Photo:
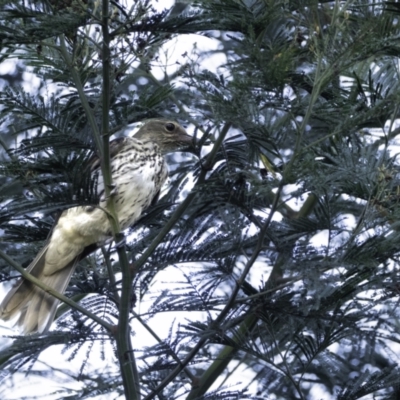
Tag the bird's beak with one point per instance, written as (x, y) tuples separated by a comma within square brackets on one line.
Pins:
[(187, 142)]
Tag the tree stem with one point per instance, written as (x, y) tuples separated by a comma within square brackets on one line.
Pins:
[(126, 357)]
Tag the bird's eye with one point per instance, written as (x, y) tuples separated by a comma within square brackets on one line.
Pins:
[(170, 127)]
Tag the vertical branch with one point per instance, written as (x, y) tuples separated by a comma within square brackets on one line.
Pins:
[(126, 356), (81, 93), (125, 352)]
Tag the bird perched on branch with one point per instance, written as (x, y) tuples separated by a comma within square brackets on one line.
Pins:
[(138, 171)]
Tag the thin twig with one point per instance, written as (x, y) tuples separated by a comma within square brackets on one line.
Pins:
[(111, 276), (159, 340)]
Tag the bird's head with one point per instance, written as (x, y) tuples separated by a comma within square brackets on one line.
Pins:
[(169, 135)]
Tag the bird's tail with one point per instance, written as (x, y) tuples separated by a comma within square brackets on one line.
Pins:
[(35, 307)]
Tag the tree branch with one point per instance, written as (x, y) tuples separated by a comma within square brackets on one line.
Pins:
[(126, 356)]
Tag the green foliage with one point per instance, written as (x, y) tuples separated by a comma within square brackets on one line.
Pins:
[(284, 255)]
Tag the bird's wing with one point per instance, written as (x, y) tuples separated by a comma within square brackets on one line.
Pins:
[(116, 146)]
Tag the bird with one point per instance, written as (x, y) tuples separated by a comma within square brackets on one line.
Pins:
[(138, 170)]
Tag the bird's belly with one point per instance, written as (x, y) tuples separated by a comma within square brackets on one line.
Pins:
[(137, 177), (134, 195)]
